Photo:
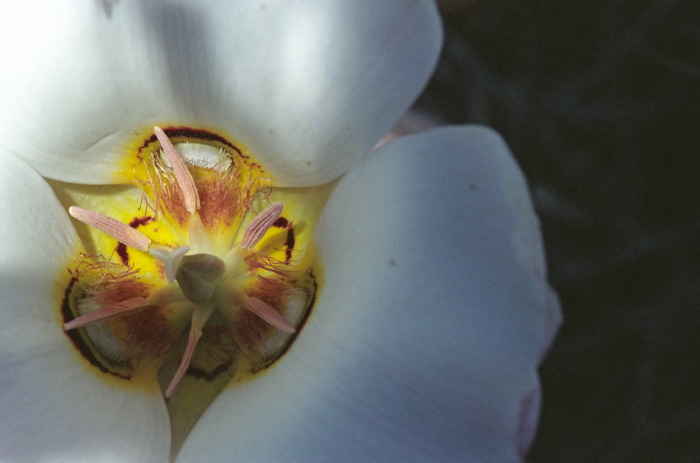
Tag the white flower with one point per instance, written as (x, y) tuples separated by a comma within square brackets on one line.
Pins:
[(434, 309)]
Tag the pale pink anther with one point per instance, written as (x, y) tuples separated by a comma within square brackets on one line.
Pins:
[(185, 362), (199, 319), (112, 227), (262, 222), (267, 313), (120, 308), (183, 178)]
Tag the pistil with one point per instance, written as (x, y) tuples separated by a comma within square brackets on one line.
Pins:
[(197, 276)]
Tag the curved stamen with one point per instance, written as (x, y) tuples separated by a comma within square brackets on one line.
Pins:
[(183, 178), (120, 308), (192, 341), (267, 313), (112, 227), (199, 318), (262, 222)]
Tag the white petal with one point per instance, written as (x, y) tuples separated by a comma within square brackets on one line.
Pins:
[(52, 407), (308, 86), (426, 336)]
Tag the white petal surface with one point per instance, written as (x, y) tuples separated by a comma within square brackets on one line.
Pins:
[(52, 409), (308, 86), (425, 339)]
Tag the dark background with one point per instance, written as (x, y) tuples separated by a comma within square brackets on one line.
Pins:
[(600, 103)]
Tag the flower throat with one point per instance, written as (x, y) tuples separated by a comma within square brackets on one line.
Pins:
[(196, 275)]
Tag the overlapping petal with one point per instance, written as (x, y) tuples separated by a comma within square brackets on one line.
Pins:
[(308, 86), (434, 309), (429, 326), (52, 408)]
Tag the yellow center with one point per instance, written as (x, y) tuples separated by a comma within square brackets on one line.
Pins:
[(219, 285)]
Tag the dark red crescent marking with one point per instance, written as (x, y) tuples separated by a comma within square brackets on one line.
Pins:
[(121, 250), (196, 134)]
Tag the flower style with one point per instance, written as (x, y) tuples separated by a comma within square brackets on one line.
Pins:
[(407, 325)]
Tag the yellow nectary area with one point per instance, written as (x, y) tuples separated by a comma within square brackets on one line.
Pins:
[(145, 347)]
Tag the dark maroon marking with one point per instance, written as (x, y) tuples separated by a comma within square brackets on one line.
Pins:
[(121, 250), (200, 373), (77, 339), (122, 253), (289, 243), (138, 221), (197, 134), (280, 223)]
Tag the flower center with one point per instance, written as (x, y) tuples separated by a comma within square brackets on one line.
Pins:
[(208, 249)]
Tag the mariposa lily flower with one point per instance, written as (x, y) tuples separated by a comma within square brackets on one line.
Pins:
[(220, 295)]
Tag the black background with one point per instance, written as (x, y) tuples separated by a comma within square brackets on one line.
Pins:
[(600, 103)]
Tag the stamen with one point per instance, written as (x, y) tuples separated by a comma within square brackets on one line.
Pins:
[(199, 238), (199, 318), (183, 178), (267, 313), (185, 362), (108, 311), (257, 227), (112, 227)]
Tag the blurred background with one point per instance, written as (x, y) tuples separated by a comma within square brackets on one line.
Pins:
[(600, 103)]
